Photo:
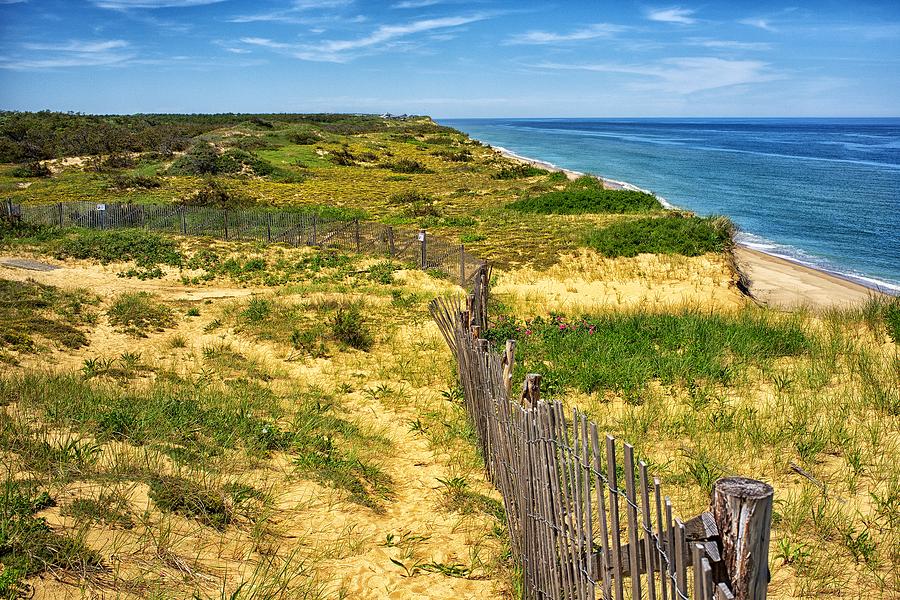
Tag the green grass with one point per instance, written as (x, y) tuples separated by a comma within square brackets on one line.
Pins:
[(586, 196), (32, 313), (196, 422), (673, 234), (29, 547), (625, 352), (138, 313)]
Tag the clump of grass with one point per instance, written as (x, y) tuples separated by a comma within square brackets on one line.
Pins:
[(109, 508), (29, 547), (383, 272), (587, 195), (189, 499), (675, 234), (30, 311), (136, 313), (349, 327)]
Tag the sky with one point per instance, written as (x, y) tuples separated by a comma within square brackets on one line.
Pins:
[(453, 58)]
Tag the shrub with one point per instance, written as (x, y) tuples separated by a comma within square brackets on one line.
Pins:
[(304, 138), (136, 313), (407, 165), (201, 159), (343, 158), (676, 234), (518, 171), (383, 272), (145, 248), (214, 193), (582, 198), (128, 182), (32, 169), (349, 327), (461, 156)]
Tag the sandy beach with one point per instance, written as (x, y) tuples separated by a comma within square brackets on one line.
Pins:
[(774, 281)]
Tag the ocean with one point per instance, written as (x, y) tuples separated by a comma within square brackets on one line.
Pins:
[(822, 192)]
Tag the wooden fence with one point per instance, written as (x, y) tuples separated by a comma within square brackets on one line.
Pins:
[(574, 532), (412, 246)]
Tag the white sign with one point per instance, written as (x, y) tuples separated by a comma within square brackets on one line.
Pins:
[(421, 236), (101, 207)]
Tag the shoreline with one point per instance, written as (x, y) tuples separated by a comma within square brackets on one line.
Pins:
[(773, 280)]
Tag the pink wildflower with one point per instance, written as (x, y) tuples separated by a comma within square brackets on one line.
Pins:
[(527, 332)]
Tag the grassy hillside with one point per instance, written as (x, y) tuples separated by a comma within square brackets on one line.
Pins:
[(193, 416)]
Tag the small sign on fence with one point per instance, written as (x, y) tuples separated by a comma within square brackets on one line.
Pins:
[(101, 207)]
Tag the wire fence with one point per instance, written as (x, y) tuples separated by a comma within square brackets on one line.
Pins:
[(575, 533), (413, 246)]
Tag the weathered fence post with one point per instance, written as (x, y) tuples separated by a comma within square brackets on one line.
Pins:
[(315, 225), (356, 233), (509, 365), (225, 221), (531, 390), (269, 227), (462, 265), (742, 509), (59, 209), (423, 248), (9, 208), (390, 240), (183, 220)]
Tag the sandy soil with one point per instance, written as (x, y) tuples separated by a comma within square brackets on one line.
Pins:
[(344, 542), (784, 284), (587, 282)]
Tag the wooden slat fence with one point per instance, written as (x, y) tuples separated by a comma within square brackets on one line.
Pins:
[(416, 247), (585, 520)]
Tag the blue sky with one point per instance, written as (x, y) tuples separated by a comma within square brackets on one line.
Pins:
[(452, 58)]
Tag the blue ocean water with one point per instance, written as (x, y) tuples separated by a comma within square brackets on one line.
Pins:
[(823, 192)]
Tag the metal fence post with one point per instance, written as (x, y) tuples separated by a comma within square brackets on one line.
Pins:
[(225, 221), (315, 224), (423, 250), (356, 233), (269, 227), (59, 208), (183, 220), (462, 265)]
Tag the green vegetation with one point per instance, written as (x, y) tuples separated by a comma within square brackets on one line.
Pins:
[(31, 312), (587, 195), (518, 171), (145, 248), (29, 547), (137, 313), (349, 327), (625, 352), (674, 234)]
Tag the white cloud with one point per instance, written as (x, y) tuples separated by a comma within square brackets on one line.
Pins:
[(759, 23), (74, 53), (597, 30), (126, 4), (728, 44), (291, 14), (674, 14), (383, 36), (79, 46), (416, 3), (683, 76)]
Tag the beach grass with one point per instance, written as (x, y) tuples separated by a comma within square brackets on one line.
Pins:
[(687, 235)]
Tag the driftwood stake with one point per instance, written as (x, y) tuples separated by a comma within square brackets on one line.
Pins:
[(509, 365), (742, 509), (531, 390)]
